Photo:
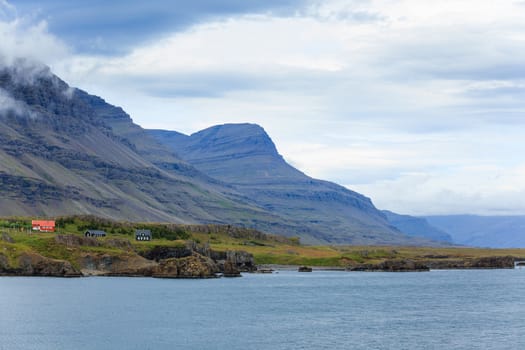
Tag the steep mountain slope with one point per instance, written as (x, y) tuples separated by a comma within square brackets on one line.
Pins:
[(60, 154), (244, 155), (418, 227), (483, 231)]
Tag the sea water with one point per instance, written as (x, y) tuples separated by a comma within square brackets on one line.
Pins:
[(474, 309)]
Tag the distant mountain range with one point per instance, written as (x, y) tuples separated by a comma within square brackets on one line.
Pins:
[(483, 231), (466, 230)]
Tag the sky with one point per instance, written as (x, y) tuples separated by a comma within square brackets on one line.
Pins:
[(418, 104)]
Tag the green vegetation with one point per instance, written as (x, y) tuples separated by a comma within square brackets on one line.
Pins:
[(81, 223), (15, 223), (266, 249)]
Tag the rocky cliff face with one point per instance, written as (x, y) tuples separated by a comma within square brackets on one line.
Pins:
[(193, 266)]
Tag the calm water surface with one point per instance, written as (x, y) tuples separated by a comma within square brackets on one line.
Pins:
[(482, 309)]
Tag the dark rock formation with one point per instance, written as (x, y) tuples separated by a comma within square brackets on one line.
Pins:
[(394, 265), (496, 262), (242, 260), (159, 253), (237, 260), (166, 262), (230, 269), (439, 263)]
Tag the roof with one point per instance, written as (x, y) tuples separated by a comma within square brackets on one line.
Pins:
[(143, 232), (43, 222), (96, 232)]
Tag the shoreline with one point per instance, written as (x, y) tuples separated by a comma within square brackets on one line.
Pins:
[(267, 268), (72, 255)]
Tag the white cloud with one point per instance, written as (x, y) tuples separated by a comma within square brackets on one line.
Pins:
[(8, 104), (23, 39), (485, 190)]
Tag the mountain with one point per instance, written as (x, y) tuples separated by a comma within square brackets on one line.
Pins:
[(417, 227), (483, 231), (244, 156), (64, 151)]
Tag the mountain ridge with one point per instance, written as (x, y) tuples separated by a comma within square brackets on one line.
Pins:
[(245, 156), (64, 151)]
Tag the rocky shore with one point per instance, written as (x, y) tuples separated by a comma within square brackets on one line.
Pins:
[(436, 263), (120, 259), (68, 255)]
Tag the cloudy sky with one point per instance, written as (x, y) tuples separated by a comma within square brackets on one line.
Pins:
[(418, 104)]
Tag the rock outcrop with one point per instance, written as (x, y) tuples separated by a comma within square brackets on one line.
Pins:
[(193, 266), (394, 265), (436, 263), (227, 262), (32, 264), (159, 253), (230, 269), (304, 269), (242, 260), (495, 262), (103, 264)]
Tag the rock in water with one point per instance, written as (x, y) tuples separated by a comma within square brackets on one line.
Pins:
[(393, 265), (230, 269)]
